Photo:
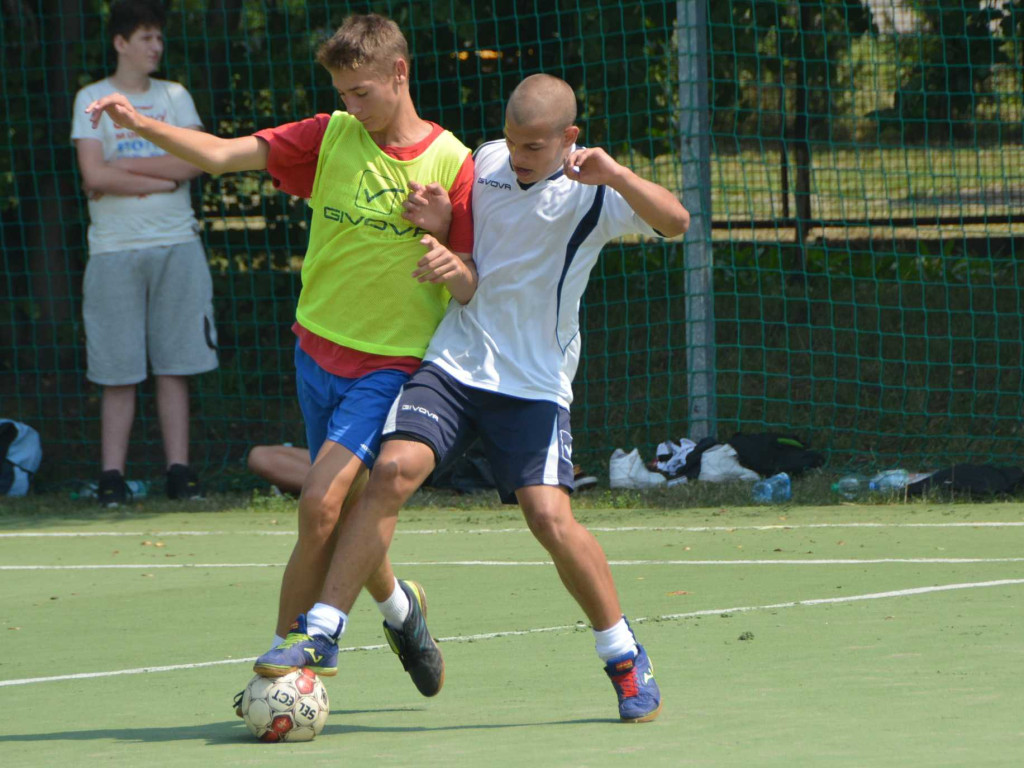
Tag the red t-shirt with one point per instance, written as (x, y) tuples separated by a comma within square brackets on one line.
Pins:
[(291, 163)]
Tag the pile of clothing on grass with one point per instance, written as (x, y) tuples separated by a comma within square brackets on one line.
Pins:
[(747, 457)]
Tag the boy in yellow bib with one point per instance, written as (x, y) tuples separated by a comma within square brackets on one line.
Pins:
[(375, 283)]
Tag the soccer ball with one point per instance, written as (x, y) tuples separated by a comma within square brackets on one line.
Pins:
[(292, 707)]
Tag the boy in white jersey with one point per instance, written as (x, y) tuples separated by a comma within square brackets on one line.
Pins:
[(147, 286), (500, 367), (371, 297)]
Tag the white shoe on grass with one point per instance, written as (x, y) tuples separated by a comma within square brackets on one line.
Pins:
[(627, 470)]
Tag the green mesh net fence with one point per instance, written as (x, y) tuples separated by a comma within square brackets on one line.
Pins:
[(857, 171)]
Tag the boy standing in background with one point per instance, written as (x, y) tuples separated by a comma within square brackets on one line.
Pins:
[(147, 290)]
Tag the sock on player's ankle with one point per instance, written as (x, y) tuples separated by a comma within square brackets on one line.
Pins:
[(324, 619), (276, 642), (615, 641), (396, 608)]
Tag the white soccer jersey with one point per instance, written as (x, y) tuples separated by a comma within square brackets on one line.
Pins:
[(128, 223), (534, 248)]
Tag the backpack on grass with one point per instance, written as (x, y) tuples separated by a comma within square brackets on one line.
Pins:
[(20, 456)]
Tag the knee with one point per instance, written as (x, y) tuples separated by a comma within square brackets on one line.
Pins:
[(394, 476), (549, 524), (256, 461), (318, 517)]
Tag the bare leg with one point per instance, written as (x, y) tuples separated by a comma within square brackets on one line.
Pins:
[(172, 409), (365, 533), (282, 465), (117, 412), (332, 488), (579, 559)]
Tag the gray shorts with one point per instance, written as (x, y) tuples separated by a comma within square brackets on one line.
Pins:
[(154, 300)]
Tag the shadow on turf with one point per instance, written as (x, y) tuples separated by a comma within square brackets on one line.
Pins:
[(234, 731), (38, 510), (226, 732)]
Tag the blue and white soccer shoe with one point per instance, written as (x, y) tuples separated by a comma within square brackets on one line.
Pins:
[(299, 649), (638, 692)]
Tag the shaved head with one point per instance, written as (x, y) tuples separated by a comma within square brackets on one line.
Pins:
[(542, 100)]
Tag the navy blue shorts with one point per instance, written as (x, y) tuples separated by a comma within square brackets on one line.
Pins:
[(527, 442)]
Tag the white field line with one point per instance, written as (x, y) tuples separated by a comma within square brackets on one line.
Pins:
[(517, 632), (596, 528), (534, 563)]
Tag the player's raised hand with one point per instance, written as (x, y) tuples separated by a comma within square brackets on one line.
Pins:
[(429, 208), (438, 264), (119, 109), (592, 166)]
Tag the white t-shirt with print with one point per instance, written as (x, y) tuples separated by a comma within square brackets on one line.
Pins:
[(125, 223), (534, 248)]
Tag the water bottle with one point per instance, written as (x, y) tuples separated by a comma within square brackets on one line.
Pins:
[(852, 486), (857, 486), (890, 480), (138, 488), (773, 490)]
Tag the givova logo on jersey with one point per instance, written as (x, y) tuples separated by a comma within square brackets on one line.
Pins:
[(377, 193), (493, 183), (421, 411)]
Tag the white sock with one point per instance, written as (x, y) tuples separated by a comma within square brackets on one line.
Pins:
[(324, 619), (615, 641), (396, 608), (276, 642)]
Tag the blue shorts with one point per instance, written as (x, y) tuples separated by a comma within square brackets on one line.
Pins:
[(527, 442), (350, 412)]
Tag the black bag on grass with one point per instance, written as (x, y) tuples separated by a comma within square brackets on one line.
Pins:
[(769, 453), (976, 479)]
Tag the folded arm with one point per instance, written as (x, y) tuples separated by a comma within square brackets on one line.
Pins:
[(101, 178), (162, 167)]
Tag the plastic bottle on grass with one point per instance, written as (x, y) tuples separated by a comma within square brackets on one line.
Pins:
[(890, 480), (139, 490), (857, 486), (773, 490), (852, 487)]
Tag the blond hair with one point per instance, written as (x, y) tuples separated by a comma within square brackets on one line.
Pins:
[(364, 40)]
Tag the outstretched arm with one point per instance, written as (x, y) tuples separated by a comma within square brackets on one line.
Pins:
[(204, 150), (652, 202)]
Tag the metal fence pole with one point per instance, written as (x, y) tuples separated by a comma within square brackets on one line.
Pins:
[(695, 155)]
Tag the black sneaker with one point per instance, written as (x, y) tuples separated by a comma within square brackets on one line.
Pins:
[(112, 490), (417, 650), (183, 483)]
